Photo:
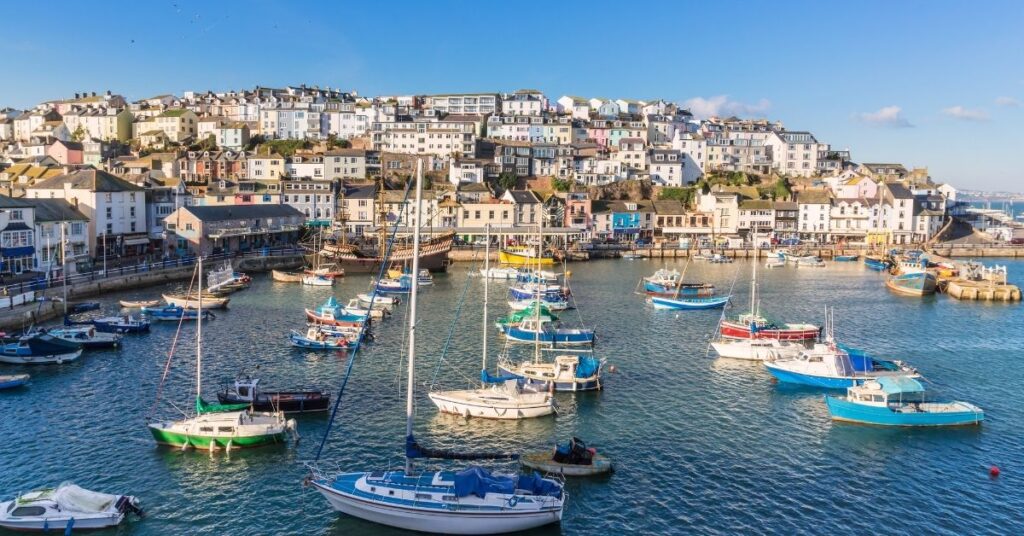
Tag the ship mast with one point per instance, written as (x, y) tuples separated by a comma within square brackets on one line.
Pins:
[(412, 309), (382, 217)]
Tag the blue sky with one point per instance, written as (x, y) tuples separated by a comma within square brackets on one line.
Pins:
[(937, 83)]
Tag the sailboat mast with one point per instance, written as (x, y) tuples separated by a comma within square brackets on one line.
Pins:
[(540, 287), (199, 333), (412, 306), (64, 266), (753, 282), (487, 279)]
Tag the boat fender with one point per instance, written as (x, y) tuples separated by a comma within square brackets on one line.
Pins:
[(513, 501), (993, 471)]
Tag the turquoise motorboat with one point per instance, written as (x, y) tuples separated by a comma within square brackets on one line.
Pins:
[(899, 401)]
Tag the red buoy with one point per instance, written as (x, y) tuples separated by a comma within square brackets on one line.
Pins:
[(993, 471)]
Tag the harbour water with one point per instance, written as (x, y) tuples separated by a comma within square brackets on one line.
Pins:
[(700, 445)]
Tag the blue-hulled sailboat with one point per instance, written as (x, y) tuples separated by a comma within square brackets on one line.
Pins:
[(547, 332), (899, 401), (472, 501), (688, 304)]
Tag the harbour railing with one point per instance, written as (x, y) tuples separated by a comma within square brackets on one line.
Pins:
[(163, 265)]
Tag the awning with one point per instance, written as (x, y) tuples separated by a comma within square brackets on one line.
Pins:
[(23, 251), (137, 241)]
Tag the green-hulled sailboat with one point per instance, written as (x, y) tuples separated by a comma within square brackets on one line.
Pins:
[(217, 426)]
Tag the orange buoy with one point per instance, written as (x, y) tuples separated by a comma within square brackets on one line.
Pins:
[(993, 471)]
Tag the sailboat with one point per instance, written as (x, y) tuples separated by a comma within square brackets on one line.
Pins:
[(471, 501), (217, 426), (669, 292), (498, 397), (752, 325), (572, 371)]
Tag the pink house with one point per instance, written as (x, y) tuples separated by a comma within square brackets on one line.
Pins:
[(578, 210), (65, 152)]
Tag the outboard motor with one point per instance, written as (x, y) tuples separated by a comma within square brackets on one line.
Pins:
[(126, 504)]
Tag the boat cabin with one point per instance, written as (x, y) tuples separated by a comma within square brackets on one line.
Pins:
[(886, 391), (246, 388)]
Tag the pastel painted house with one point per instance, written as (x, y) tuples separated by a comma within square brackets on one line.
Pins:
[(66, 152)]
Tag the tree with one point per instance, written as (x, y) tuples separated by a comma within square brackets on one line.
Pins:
[(507, 180), (334, 143), (78, 134), (781, 189), (683, 195), (561, 185)]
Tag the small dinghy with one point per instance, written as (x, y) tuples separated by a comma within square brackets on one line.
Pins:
[(571, 459), (314, 280), (13, 381), (317, 339), (287, 277), (113, 324), (173, 313), (82, 307), (380, 299), (775, 263), (191, 301), (128, 304), (87, 336), (66, 507)]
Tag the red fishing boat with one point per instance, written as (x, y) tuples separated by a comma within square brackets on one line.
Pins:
[(752, 325)]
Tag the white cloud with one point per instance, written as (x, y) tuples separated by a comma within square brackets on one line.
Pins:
[(965, 114), (1009, 102), (889, 116), (720, 106)]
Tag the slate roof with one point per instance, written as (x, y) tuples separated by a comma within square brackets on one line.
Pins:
[(93, 180), (523, 196), (56, 210), (242, 212)]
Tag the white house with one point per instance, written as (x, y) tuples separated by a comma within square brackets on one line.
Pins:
[(815, 206), (692, 150), (578, 107), (115, 207)]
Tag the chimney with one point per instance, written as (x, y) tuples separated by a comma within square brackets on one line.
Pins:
[(74, 202), (93, 93), (76, 95)]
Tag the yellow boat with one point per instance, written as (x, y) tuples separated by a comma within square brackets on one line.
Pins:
[(523, 256)]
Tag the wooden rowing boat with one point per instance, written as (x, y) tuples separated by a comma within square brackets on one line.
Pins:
[(286, 277), (128, 304), (541, 461)]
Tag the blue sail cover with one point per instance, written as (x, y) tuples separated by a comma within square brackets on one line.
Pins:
[(588, 366), (539, 486), (414, 450), (478, 481), (487, 378)]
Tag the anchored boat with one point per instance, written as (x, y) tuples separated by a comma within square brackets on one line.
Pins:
[(12, 381), (247, 391), (899, 401), (39, 349), (66, 507), (571, 459)]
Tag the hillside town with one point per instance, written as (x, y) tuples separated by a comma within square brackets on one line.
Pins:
[(221, 172)]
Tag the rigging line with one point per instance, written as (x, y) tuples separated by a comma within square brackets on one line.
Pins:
[(721, 318), (365, 323), (451, 329), (170, 354)]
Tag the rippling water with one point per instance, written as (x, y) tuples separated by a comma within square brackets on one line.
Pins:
[(701, 445)]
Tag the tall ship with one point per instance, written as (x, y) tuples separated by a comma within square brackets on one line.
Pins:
[(366, 256)]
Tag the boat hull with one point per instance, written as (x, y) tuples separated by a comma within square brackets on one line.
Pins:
[(433, 518), (688, 303), (541, 461), (517, 259), (82, 521), (309, 344), (165, 435), (193, 303), (284, 401), (286, 277), (824, 382), (740, 350), (468, 407), (875, 264), (563, 338), (915, 284), (736, 330), (15, 381), (40, 359), (961, 414)]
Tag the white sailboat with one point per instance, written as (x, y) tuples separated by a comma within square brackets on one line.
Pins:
[(497, 398), (467, 502), (216, 426)]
